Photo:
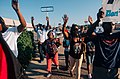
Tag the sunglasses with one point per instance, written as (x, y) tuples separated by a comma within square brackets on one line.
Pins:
[(76, 29)]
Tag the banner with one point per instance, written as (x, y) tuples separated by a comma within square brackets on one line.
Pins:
[(112, 10)]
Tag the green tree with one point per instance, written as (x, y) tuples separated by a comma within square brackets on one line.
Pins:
[(25, 48)]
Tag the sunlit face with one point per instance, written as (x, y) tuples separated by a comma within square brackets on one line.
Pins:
[(75, 31), (51, 36), (76, 28)]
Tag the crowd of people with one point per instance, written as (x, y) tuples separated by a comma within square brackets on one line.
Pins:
[(100, 48)]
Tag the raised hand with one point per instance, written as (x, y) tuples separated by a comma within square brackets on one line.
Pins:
[(100, 14), (32, 18), (15, 5), (90, 19), (65, 18), (47, 18)]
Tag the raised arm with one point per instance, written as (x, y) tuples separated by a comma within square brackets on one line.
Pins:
[(65, 33), (92, 28), (15, 6), (90, 20), (32, 21), (48, 23), (100, 15)]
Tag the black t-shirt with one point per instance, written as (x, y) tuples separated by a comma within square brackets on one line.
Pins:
[(107, 50), (76, 49)]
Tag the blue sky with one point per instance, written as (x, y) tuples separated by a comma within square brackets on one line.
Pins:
[(77, 10)]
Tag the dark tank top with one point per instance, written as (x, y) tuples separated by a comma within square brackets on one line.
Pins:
[(76, 49)]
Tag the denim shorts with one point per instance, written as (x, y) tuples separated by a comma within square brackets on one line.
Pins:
[(90, 58)]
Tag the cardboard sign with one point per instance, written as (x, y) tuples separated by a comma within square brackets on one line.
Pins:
[(112, 10)]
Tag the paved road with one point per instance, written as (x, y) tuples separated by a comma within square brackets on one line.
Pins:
[(38, 70)]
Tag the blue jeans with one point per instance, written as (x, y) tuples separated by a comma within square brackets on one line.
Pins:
[(66, 53), (41, 52)]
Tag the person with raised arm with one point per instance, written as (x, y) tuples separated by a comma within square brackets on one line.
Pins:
[(107, 49), (10, 68), (11, 34), (41, 38), (77, 47)]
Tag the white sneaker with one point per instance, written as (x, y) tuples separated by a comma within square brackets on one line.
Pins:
[(49, 75), (57, 68), (89, 76)]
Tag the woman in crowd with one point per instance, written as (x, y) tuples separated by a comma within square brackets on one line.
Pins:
[(51, 50), (76, 47), (66, 44)]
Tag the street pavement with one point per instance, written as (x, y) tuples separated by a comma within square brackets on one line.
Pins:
[(37, 70)]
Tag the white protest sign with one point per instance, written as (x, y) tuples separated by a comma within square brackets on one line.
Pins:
[(112, 10)]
